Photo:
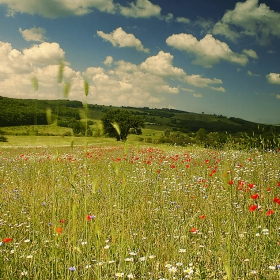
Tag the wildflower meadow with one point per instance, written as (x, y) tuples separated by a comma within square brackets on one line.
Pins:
[(126, 212)]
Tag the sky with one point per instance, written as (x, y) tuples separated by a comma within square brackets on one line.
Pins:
[(217, 57)]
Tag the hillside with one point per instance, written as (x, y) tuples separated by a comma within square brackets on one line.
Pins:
[(17, 112)]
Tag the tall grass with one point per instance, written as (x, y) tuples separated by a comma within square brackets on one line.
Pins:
[(138, 213)]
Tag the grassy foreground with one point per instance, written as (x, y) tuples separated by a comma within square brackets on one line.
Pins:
[(107, 212)]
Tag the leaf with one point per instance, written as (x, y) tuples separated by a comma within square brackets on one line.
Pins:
[(49, 115), (60, 72), (116, 127), (35, 83), (66, 90), (86, 85)]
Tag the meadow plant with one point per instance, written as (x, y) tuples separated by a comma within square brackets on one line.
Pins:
[(139, 213)]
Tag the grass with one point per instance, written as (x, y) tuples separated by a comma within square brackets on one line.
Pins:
[(109, 211)]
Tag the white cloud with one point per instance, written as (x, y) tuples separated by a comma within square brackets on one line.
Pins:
[(250, 73), (278, 96), (187, 89), (206, 24), (109, 60), (92, 71), (55, 9), (122, 39), (140, 9), (250, 53), (33, 34), (197, 95), (221, 89), (121, 84), (124, 67), (161, 65), (44, 54), (249, 18), (182, 20), (12, 61), (273, 78), (198, 81), (208, 51), (62, 8), (168, 17)]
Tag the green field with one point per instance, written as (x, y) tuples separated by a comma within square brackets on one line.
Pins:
[(94, 208)]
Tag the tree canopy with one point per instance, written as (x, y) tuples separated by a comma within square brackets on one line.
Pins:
[(119, 123)]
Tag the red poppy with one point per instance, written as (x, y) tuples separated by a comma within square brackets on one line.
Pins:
[(193, 230), (59, 230), (278, 184), (253, 207), (230, 182), (62, 221), (276, 200), (255, 196), (269, 212), (202, 216), (90, 217), (251, 186), (7, 239)]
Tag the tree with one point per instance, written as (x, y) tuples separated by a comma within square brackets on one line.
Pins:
[(119, 123), (80, 129), (201, 135)]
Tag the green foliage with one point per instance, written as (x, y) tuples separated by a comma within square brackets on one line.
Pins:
[(119, 123), (16, 112), (2, 137), (81, 129)]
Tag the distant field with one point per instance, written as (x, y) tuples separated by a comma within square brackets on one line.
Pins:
[(54, 141), (25, 135)]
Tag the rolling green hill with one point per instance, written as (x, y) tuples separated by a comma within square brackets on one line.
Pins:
[(20, 112)]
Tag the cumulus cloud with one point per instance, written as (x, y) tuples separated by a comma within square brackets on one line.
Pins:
[(44, 54), (17, 71), (161, 65), (250, 19), (12, 61), (33, 34), (55, 9), (208, 51), (141, 9), (121, 84), (122, 39), (62, 8), (198, 81), (197, 95), (221, 89), (273, 78), (109, 60)]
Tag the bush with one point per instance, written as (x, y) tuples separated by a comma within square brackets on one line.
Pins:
[(3, 138)]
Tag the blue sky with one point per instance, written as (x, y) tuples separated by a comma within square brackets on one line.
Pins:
[(215, 56)]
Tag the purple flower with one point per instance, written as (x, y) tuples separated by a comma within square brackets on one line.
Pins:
[(72, 268)]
